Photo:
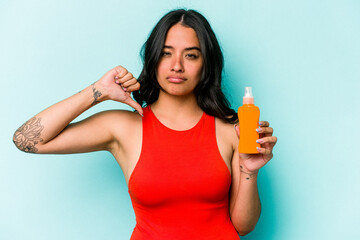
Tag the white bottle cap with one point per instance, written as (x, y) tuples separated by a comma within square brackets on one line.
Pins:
[(248, 97)]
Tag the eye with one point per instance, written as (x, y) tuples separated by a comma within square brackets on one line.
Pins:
[(192, 56), (164, 53)]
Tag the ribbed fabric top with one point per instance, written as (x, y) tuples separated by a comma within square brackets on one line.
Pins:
[(180, 186)]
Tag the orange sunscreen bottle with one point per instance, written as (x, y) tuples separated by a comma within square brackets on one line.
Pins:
[(248, 115)]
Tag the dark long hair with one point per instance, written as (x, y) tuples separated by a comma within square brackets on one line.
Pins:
[(208, 92)]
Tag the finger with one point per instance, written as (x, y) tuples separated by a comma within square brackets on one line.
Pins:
[(265, 130), (129, 101), (120, 85), (120, 71), (264, 151), (264, 123), (125, 78), (133, 88), (130, 82), (271, 139)]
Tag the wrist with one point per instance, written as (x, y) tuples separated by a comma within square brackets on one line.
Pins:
[(248, 174), (98, 93)]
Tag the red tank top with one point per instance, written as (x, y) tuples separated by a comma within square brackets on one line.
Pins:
[(180, 185)]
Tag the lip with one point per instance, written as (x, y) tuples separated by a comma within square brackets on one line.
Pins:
[(176, 79)]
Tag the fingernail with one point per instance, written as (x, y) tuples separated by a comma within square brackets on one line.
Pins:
[(124, 89), (259, 141), (258, 129), (116, 77), (260, 123), (258, 149)]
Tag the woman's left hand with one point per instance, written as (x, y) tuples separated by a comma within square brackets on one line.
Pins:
[(251, 163)]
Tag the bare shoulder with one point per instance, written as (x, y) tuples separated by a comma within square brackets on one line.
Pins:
[(124, 115), (121, 120), (226, 132)]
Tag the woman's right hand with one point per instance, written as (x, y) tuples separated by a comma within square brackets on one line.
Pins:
[(116, 85)]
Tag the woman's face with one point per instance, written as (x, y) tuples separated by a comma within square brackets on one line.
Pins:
[(180, 66)]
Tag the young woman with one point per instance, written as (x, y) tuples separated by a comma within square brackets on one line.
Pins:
[(179, 154)]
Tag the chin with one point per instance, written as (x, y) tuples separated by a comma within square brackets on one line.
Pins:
[(179, 92)]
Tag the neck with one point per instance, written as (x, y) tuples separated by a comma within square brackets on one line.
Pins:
[(176, 106)]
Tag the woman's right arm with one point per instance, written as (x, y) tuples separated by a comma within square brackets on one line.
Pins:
[(50, 131)]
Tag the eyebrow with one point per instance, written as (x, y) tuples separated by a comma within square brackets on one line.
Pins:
[(187, 49)]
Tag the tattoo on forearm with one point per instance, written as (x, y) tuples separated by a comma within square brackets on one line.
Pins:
[(96, 95), (249, 175), (28, 135)]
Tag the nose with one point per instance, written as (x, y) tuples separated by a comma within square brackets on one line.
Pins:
[(177, 64)]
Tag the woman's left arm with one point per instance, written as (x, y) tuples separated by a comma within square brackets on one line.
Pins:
[(245, 205)]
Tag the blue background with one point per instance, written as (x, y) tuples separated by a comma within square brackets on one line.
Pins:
[(301, 57)]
